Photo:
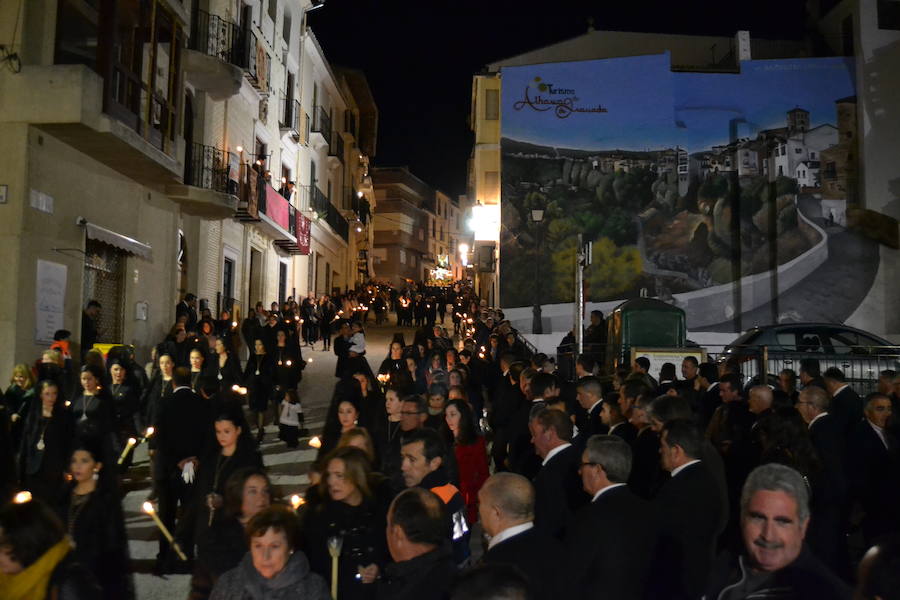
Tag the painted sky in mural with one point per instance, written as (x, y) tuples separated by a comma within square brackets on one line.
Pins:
[(720, 192)]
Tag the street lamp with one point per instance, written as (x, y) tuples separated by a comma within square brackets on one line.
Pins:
[(537, 216)]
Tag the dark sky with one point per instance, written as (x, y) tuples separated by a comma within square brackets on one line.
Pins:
[(419, 56)]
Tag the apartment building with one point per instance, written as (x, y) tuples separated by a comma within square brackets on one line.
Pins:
[(155, 142)]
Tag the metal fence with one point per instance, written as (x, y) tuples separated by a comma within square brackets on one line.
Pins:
[(103, 277), (208, 168), (322, 122), (214, 36)]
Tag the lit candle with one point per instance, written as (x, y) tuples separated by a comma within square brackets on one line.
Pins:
[(233, 324), (315, 442), (334, 549), (297, 501), (148, 508), (22, 497), (128, 447)]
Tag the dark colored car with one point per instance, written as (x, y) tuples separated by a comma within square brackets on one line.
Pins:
[(859, 354)]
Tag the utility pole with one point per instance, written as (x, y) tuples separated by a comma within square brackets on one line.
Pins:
[(582, 260)]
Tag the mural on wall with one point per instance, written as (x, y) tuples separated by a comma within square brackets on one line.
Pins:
[(726, 194)]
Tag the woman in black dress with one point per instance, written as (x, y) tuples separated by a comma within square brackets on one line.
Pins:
[(127, 406), (327, 313), (354, 508), (46, 445), (198, 368), (226, 367), (93, 408), (258, 381), (93, 517)]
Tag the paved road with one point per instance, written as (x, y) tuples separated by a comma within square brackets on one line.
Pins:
[(287, 468), (832, 292)]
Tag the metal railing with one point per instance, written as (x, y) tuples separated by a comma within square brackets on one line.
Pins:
[(322, 123), (208, 168), (290, 114), (328, 212), (214, 36)]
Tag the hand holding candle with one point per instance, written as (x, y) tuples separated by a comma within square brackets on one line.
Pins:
[(315, 442), (335, 543), (148, 508)]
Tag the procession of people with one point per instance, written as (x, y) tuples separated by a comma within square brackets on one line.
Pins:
[(465, 466)]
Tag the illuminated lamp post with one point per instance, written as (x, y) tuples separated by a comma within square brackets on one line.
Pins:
[(537, 216)]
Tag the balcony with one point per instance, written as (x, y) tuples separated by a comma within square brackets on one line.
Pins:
[(67, 101), (211, 183), (336, 151), (320, 132), (355, 206), (328, 212), (289, 119), (213, 59)]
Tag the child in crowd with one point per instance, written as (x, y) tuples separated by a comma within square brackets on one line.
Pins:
[(291, 419)]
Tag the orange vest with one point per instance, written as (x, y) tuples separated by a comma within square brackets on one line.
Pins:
[(445, 492)]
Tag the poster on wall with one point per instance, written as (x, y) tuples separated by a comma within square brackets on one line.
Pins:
[(50, 300), (726, 194)]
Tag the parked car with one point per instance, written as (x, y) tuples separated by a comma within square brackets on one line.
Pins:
[(859, 354)]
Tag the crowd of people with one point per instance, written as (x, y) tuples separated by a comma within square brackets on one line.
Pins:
[(616, 485)]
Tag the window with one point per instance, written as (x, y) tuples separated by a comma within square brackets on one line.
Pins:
[(798, 150), (273, 10), (262, 153), (491, 105), (491, 185), (812, 156), (286, 27), (402, 256), (282, 281), (227, 280)]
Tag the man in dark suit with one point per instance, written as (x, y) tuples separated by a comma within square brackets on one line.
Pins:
[(610, 543), (522, 459), (826, 535), (707, 394), (589, 394), (558, 492), (692, 513), (184, 432), (505, 400), (873, 465), (846, 406), (811, 373), (506, 511), (187, 308)]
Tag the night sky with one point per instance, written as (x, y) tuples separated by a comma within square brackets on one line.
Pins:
[(420, 55)]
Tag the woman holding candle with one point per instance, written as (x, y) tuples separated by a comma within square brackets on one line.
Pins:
[(160, 388), (470, 451), (274, 568), (227, 366), (17, 400), (127, 407), (354, 510), (46, 445), (343, 420), (198, 368), (258, 381), (222, 545), (36, 556), (94, 410), (92, 515), (326, 320)]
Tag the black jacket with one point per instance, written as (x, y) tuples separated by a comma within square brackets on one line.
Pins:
[(647, 475), (538, 555), (609, 547), (847, 409), (691, 515), (185, 429), (41, 470), (558, 492), (426, 577), (804, 579), (70, 580)]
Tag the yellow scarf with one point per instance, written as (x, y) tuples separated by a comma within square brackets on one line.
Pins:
[(32, 583)]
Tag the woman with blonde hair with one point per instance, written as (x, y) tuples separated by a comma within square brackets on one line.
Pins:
[(17, 399)]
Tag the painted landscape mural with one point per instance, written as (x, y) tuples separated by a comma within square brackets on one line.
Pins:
[(724, 193)]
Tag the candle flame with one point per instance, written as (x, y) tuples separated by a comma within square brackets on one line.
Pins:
[(288, 363), (150, 431), (22, 497), (234, 323), (148, 508), (297, 501), (315, 442), (132, 441)]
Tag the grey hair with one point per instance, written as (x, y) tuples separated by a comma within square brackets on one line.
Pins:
[(817, 396), (774, 477), (613, 454), (512, 493)]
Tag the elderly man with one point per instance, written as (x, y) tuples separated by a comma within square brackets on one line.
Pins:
[(506, 511), (589, 395), (775, 562), (611, 541), (873, 464), (417, 536)]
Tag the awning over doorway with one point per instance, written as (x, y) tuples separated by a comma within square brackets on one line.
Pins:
[(122, 242)]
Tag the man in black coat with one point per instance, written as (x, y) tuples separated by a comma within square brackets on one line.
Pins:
[(184, 432), (873, 467), (418, 540), (187, 308), (589, 395), (775, 562), (846, 406), (506, 510), (826, 536), (522, 458), (612, 417), (611, 541), (505, 400), (691, 512), (341, 348), (558, 491), (89, 333)]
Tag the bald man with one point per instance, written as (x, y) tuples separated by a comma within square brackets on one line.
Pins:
[(506, 511)]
